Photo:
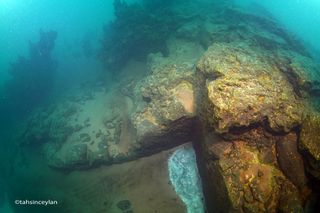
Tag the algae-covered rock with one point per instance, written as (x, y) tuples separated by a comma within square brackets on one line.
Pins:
[(69, 134), (309, 142), (250, 101), (291, 161), (165, 115), (249, 90), (238, 175), (301, 71), (137, 117), (310, 135), (243, 87)]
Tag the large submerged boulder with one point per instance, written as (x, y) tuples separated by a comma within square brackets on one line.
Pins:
[(245, 102), (310, 143), (239, 177), (302, 72), (255, 91), (166, 106), (163, 102), (244, 87)]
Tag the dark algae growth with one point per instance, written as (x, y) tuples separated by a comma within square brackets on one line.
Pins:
[(32, 76), (137, 31), (194, 106)]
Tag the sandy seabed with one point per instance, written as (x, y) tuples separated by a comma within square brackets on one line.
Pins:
[(144, 182)]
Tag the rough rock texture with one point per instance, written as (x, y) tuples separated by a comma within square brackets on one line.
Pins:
[(310, 143), (164, 107), (135, 118), (301, 71), (71, 136), (310, 137), (247, 177), (244, 87), (290, 160), (246, 103), (165, 116), (255, 82), (252, 104)]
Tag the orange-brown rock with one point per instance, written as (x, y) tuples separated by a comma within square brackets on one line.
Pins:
[(236, 171), (243, 87), (291, 161), (309, 143)]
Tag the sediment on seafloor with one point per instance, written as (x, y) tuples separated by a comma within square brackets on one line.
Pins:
[(243, 92)]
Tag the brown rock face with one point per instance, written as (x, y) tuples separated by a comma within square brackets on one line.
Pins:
[(247, 89), (310, 135), (244, 102), (309, 142), (290, 160), (239, 172), (301, 71), (252, 103), (165, 115)]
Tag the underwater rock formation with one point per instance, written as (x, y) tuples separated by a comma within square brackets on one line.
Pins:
[(155, 114), (253, 101), (246, 90), (242, 92), (165, 110), (309, 142), (32, 77), (290, 160), (241, 173), (68, 135), (252, 107)]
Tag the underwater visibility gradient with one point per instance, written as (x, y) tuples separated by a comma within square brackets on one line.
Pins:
[(174, 106)]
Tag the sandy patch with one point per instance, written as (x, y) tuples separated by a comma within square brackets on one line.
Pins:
[(144, 182)]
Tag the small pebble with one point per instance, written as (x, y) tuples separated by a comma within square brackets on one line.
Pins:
[(124, 205)]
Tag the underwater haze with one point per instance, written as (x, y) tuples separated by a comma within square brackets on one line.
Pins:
[(176, 106), (300, 17), (22, 20)]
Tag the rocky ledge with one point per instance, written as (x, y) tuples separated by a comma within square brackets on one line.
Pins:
[(249, 104)]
